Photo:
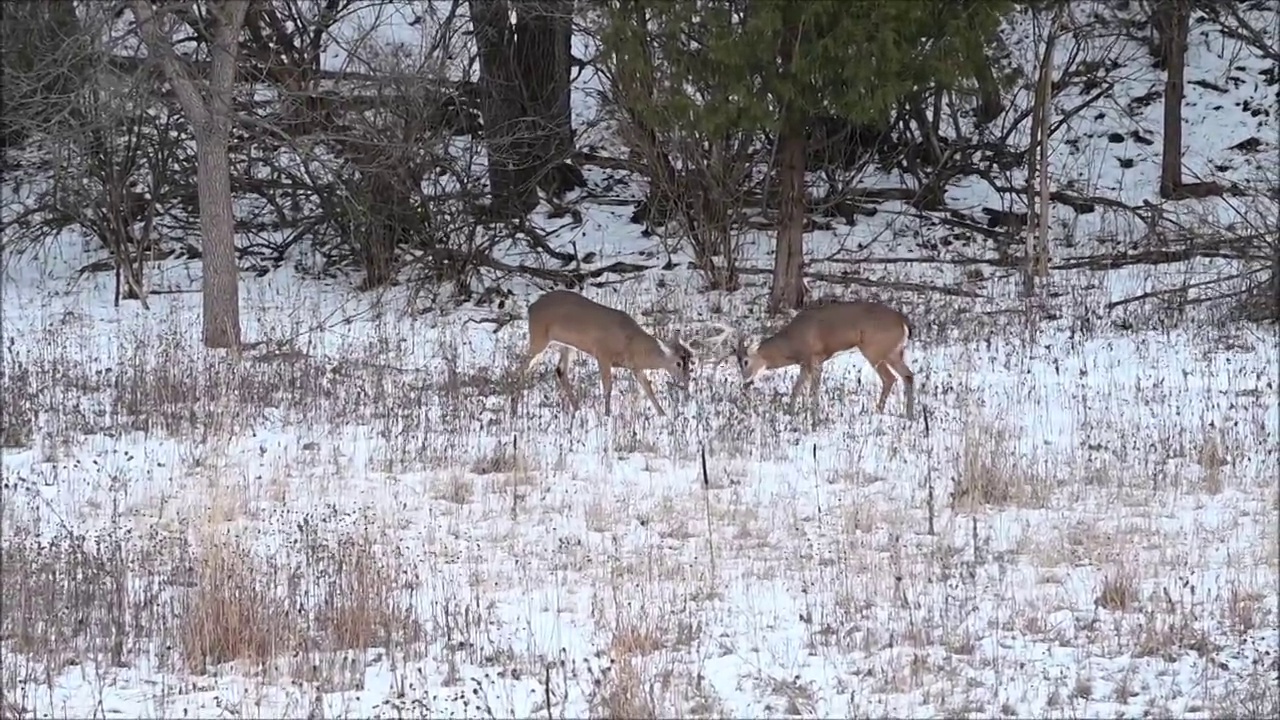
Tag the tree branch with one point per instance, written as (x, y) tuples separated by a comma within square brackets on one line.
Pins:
[(160, 47)]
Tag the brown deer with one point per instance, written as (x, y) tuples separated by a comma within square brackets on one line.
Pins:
[(818, 332), (571, 322)]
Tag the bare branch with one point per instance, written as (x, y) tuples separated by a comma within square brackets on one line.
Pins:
[(159, 42)]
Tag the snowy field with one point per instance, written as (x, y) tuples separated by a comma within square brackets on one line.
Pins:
[(377, 514)]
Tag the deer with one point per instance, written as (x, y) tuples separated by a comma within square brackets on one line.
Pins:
[(819, 332), (572, 323)]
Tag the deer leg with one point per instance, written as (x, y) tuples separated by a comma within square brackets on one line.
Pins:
[(908, 382), (887, 379), (536, 348), (606, 386), (805, 372), (815, 380), (648, 391), (533, 355), (562, 377)]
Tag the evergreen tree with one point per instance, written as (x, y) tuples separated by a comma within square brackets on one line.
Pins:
[(770, 65)]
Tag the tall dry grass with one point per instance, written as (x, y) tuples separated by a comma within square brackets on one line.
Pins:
[(222, 585)]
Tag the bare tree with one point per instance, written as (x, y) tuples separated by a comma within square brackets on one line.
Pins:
[(1238, 235), (1037, 249), (1172, 22), (47, 57), (109, 158), (1252, 23), (206, 101), (699, 180)]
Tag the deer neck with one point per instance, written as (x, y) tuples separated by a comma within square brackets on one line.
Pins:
[(655, 353), (773, 351)]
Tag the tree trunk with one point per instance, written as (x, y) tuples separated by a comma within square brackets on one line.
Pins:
[(990, 103), (208, 108), (788, 260), (544, 32), (1038, 208), (512, 192), (1174, 51), (221, 280), (220, 285), (524, 83)]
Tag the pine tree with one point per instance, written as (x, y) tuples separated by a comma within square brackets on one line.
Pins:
[(770, 65)]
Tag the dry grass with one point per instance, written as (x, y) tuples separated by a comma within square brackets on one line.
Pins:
[(1118, 591), (194, 608), (993, 469), (344, 593), (428, 526)]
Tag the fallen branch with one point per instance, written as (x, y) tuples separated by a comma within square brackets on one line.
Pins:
[(1148, 257), (881, 284), (536, 240), (963, 261), (1181, 289)]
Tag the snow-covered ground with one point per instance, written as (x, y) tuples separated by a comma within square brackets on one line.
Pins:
[(379, 516)]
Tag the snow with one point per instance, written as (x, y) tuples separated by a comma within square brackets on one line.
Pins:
[(518, 560)]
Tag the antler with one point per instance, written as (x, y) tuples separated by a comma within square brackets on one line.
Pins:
[(726, 331)]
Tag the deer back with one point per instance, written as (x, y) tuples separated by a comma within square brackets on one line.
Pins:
[(598, 330), (821, 331)]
